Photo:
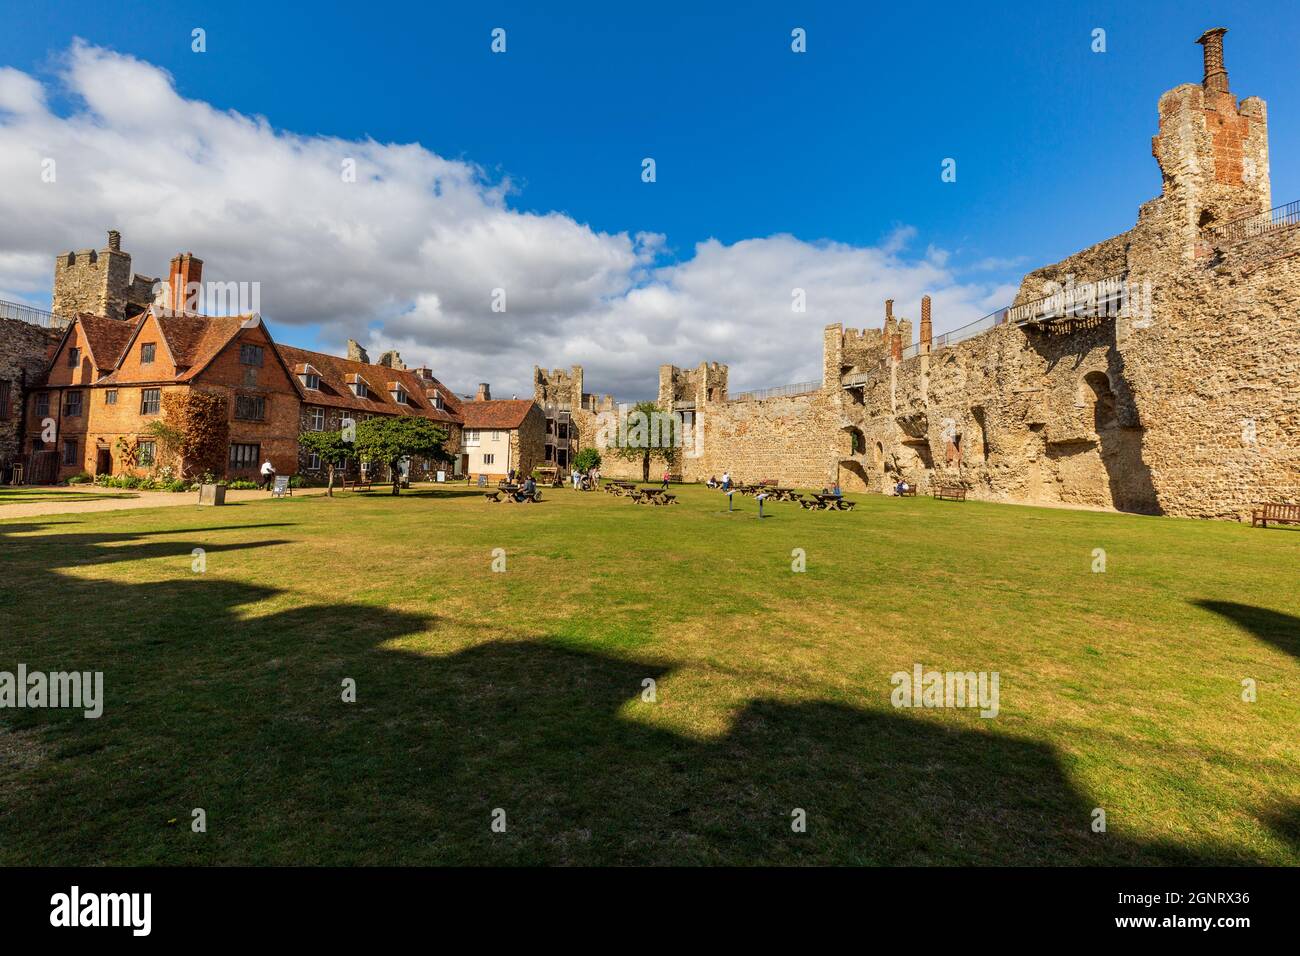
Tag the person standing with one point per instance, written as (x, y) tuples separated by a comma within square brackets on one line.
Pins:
[(268, 475), (726, 481), (665, 479)]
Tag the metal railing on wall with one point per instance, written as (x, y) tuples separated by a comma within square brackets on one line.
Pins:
[(33, 316), (780, 391), (1258, 224)]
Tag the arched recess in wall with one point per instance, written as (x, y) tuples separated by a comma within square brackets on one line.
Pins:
[(982, 425), (880, 457), (1095, 390)]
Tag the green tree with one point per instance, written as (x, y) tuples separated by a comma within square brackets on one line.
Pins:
[(586, 460), (647, 432), (388, 440), (334, 452)]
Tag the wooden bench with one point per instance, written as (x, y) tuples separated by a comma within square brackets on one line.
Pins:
[(356, 484), (674, 479), (908, 492), (1277, 512), (950, 492), (494, 496)]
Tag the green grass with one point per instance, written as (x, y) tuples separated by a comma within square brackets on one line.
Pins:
[(522, 690)]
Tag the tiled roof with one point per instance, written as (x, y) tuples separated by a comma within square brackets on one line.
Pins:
[(195, 340), (335, 373), (498, 413), (105, 339)]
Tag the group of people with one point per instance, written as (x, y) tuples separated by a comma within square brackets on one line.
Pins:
[(724, 484), (585, 481)]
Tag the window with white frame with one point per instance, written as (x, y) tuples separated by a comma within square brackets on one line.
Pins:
[(316, 419), (471, 438)]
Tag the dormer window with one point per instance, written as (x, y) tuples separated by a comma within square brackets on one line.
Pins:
[(435, 399), (358, 385), (399, 394), (309, 377)]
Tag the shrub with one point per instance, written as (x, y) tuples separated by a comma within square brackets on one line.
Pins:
[(79, 479), (586, 460), (240, 484)]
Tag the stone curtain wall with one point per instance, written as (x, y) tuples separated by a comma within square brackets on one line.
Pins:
[(24, 355)]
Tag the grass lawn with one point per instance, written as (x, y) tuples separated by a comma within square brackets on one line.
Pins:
[(522, 690)]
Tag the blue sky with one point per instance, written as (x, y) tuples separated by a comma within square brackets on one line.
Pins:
[(842, 144)]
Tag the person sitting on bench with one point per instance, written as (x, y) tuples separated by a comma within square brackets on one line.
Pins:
[(526, 491), (711, 483)]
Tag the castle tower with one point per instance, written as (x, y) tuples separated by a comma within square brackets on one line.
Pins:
[(98, 282), (1212, 150)]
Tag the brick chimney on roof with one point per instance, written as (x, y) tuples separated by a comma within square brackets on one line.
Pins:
[(896, 346), (927, 329), (184, 281), (484, 393), (114, 240), (1216, 75)]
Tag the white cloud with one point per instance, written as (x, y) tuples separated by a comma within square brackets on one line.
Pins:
[(409, 255)]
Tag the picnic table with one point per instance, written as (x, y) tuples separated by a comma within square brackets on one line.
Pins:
[(510, 491), (653, 496), (832, 503)]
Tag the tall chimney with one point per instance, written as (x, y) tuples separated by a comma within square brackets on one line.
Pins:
[(114, 240), (896, 346), (927, 329), (186, 277), (1216, 76), (889, 314), (484, 393)]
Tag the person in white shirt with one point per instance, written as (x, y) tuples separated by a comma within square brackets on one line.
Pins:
[(268, 474)]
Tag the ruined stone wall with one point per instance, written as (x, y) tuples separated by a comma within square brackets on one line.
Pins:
[(24, 354), (789, 439)]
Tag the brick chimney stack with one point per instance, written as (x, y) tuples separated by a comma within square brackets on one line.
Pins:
[(927, 329), (186, 276), (889, 314), (896, 346), (484, 393), (1216, 75), (114, 240)]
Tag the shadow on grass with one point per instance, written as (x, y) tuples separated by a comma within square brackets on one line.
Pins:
[(216, 699), (1278, 628)]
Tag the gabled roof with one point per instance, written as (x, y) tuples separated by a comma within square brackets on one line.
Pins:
[(105, 339), (195, 341), (337, 373), (506, 413)]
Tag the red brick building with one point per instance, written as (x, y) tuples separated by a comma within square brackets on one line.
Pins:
[(90, 411), (333, 389)]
